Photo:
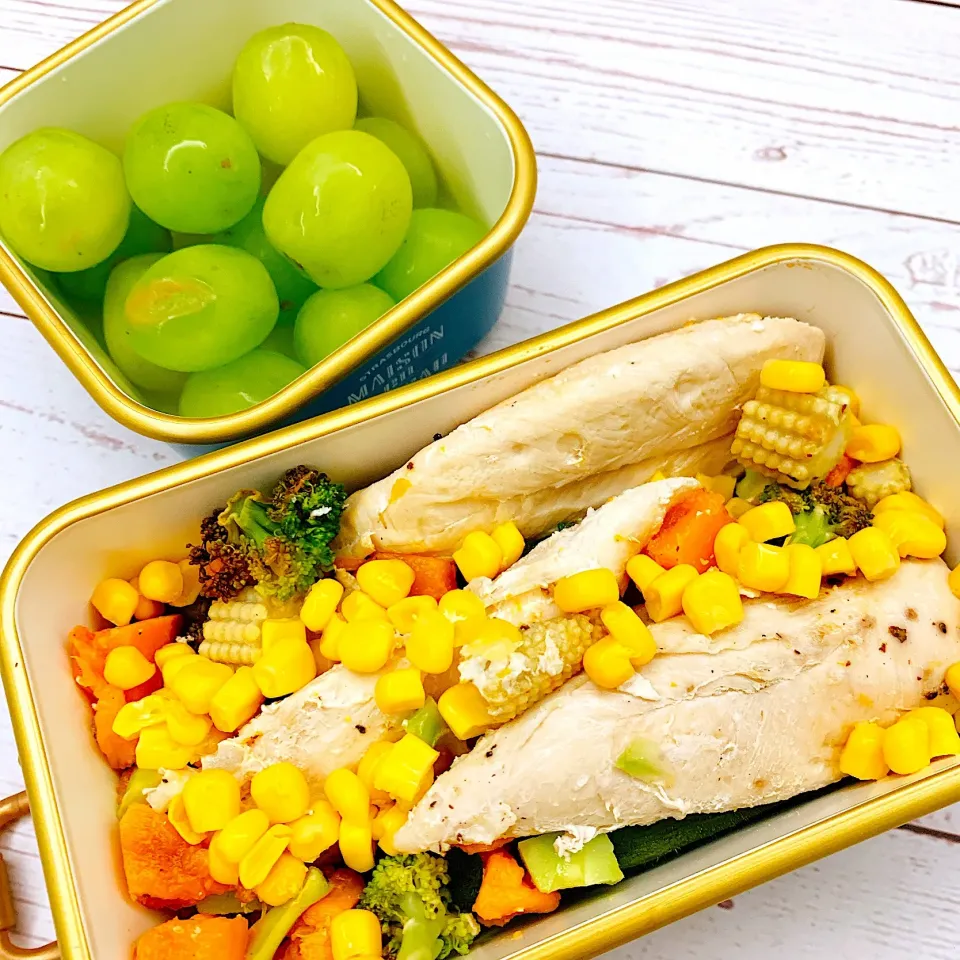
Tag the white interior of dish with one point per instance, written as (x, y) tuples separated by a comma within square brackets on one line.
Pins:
[(866, 352), (185, 50)]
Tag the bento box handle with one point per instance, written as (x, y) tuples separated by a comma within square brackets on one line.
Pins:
[(11, 810)]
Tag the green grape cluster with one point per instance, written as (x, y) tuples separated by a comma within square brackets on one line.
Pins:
[(228, 252)]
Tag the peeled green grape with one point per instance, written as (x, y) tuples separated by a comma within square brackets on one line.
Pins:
[(191, 168), (435, 239), (63, 203), (341, 209), (412, 153), (293, 287), (237, 385), (291, 84), (201, 307), (116, 328), (331, 317), (280, 338), (142, 236)]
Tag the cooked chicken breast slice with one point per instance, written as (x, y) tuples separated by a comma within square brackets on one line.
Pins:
[(606, 537), (756, 714), (327, 724), (534, 457)]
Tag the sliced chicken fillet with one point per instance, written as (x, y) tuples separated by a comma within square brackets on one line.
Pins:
[(535, 457), (756, 714)]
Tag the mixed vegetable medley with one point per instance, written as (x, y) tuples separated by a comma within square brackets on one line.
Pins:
[(307, 740)]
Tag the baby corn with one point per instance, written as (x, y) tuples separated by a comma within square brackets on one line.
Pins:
[(546, 656)]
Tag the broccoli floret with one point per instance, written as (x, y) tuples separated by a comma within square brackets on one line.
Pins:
[(820, 511), (224, 567), (410, 895)]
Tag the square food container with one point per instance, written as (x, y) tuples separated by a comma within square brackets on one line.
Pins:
[(158, 51), (873, 343)]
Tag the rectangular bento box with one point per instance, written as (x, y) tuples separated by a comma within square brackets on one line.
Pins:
[(159, 51), (873, 342)]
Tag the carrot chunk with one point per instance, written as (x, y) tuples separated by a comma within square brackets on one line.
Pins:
[(200, 938), (689, 530), (310, 936), (506, 892), (840, 472), (163, 871), (119, 753), (148, 636), (432, 576)]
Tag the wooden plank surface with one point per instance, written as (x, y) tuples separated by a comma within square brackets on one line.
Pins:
[(673, 134)]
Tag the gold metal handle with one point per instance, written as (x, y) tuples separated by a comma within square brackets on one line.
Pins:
[(11, 810)]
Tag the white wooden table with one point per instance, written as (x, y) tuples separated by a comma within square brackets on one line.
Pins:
[(672, 134)]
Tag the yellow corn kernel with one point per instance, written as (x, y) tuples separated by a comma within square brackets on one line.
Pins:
[(469, 631), (115, 600), (156, 749), (283, 882), (188, 729), (853, 401), (737, 507), (386, 581), (712, 602), (330, 639), (402, 772), (586, 590), (145, 609), (388, 822), (862, 754), (913, 534), (356, 845), (127, 667), (286, 666), (237, 701), (401, 691), (170, 651), (629, 631), (944, 739), (161, 580), (174, 665), (905, 500), (190, 573), (657, 476), (134, 717), (355, 934), (197, 681), (643, 570), (873, 442), (480, 556), (722, 484), (952, 679), (460, 605), (509, 539), (359, 606), (320, 604), (906, 745), (874, 553), (464, 711), (177, 815), (315, 832), (365, 646), (794, 376), (806, 571), (241, 834), (607, 663), (430, 644), (347, 794), (367, 769), (281, 792), (664, 597), (256, 865), (221, 869), (285, 628), (211, 799), (768, 521), (726, 547), (403, 613), (762, 566), (835, 557)]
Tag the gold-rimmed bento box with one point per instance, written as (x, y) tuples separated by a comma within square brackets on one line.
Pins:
[(159, 51), (873, 342)]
